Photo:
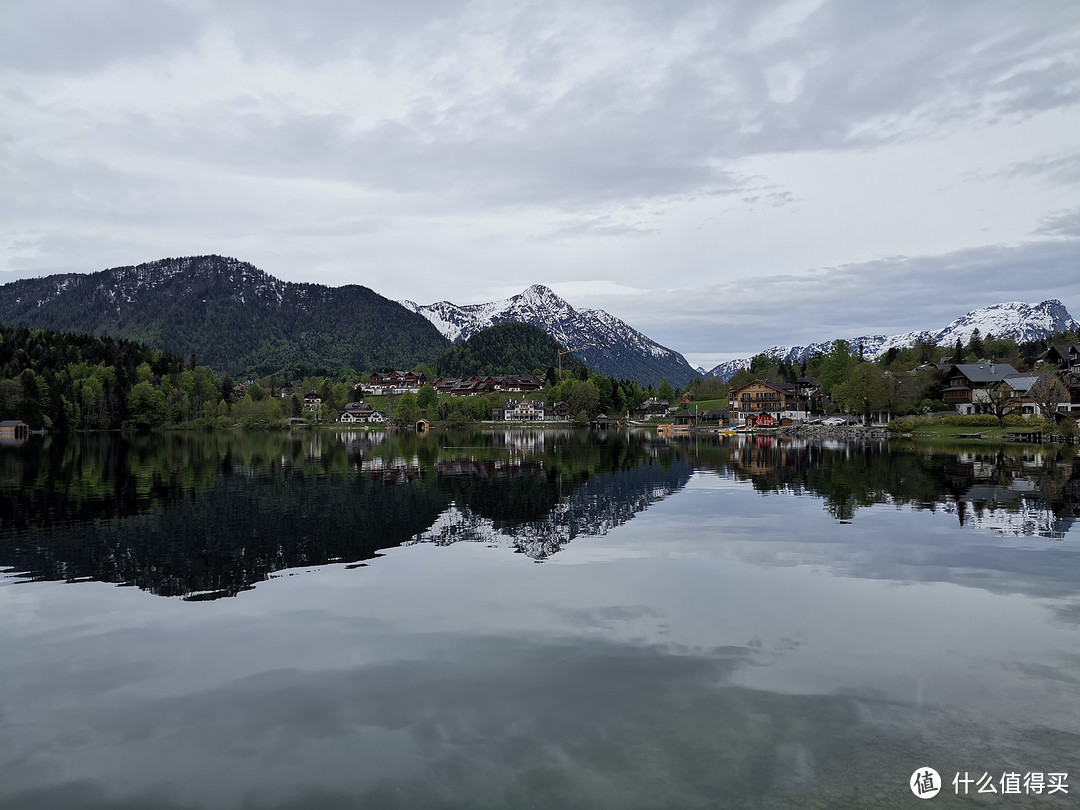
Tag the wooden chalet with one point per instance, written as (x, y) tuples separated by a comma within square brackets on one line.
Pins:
[(967, 383), (1066, 356), (652, 407), (776, 400), (719, 415), (395, 382)]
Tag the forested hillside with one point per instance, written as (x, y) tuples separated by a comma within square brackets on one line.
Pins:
[(505, 348), (230, 315), (77, 381)]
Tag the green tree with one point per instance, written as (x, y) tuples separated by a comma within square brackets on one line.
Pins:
[(665, 391), (861, 391), (146, 405), (427, 398), (584, 399), (975, 344), (836, 366), (407, 411)]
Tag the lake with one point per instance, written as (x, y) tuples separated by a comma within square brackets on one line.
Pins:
[(535, 619)]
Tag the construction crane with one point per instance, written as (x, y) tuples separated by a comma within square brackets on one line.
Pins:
[(568, 351)]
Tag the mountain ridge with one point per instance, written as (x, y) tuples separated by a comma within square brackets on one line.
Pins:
[(229, 313), (1015, 319), (608, 344)]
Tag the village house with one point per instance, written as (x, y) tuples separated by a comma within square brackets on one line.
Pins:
[(361, 412), (468, 388), (524, 410), (1066, 356), (1021, 386), (967, 384), (484, 384), (394, 382), (652, 407), (312, 401), (517, 382), (759, 398), (718, 415)]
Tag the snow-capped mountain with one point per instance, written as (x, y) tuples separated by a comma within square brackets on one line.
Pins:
[(611, 346), (1022, 322)]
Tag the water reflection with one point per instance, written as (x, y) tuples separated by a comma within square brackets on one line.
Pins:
[(209, 515), (718, 623), (204, 516)]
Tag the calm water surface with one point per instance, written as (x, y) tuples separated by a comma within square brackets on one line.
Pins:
[(526, 619)]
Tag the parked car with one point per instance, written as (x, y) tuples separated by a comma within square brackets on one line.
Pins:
[(834, 420)]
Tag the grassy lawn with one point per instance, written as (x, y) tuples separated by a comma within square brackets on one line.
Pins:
[(940, 431)]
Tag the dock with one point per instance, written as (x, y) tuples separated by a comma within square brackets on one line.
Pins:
[(1032, 436)]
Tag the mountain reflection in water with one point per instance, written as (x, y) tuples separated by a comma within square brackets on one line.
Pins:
[(209, 515)]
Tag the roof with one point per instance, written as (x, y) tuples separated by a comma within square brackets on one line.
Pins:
[(1064, 351), (783, 388), (12, 423), (683, 414), (985, 372), (1022, 382)]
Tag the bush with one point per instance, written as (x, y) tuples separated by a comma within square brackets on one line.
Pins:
[(970, 420), (905, 425), (1066, 427), (1032, 422), (928, 405)]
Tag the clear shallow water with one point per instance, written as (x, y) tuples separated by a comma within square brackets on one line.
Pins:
[(723, 623)]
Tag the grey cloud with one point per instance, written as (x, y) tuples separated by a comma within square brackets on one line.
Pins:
[(888, 296), (687, 94), (82, 189), (1061, 223), (600, 226), (870, 74), (46, 36), (1063, 168), (321, 30)]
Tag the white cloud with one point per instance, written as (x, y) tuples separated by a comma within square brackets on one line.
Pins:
[(705, 155)]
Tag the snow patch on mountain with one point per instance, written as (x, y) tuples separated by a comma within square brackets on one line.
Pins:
[(606, 343), (1014, 319)]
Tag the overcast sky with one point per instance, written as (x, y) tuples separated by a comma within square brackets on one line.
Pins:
[(724, 176)]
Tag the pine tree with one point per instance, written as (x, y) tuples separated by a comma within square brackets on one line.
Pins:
[(975, 345)]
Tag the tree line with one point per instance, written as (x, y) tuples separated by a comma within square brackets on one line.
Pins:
[(901, 381), (69, 381)]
